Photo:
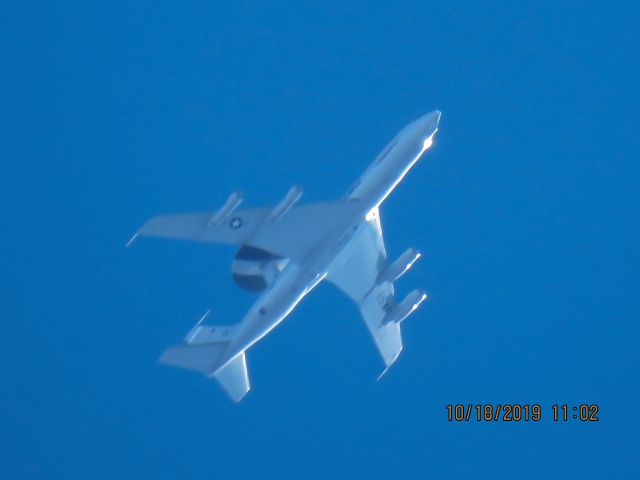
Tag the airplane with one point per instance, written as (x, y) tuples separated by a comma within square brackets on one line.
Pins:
[(286, 250)]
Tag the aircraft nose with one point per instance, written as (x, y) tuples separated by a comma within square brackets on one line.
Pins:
[(428, 126), (430, 122)]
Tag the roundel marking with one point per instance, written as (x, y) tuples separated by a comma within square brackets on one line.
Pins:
[(236, 222)]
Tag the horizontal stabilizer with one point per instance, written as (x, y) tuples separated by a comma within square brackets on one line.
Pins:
[(202, 358), (234, 378)]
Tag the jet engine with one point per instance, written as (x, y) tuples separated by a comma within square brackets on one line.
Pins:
[(255, 269), (405, 308), (402, 265)]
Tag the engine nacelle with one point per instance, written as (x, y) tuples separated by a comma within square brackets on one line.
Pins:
[(402, 265), (405, 308), (232, 203), (255, 269), (290, 199)]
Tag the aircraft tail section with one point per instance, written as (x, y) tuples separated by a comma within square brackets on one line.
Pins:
[(234, 378), (205, 358), (204, 350), (202, 358)]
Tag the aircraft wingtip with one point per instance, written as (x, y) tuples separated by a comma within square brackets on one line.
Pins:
[(382, 374), (131, 240)]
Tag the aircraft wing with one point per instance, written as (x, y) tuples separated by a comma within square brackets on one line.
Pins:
[(358, 271), (197, 226), (293, 235)]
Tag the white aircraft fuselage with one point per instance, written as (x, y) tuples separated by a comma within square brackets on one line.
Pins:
[(297, 279)]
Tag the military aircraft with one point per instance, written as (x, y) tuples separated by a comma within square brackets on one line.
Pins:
[(286, 250)]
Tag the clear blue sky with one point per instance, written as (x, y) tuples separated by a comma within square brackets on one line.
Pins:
[(526, 210)]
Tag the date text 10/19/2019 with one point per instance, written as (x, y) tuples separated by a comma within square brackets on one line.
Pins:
[(515, 412)]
